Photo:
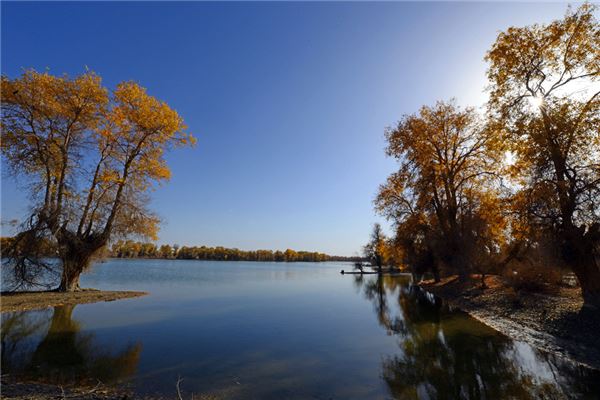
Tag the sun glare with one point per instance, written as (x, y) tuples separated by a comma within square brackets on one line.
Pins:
[(536, 102)]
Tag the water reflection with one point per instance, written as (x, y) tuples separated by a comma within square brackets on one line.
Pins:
[(244, 331), (50, 346), (448, 355)]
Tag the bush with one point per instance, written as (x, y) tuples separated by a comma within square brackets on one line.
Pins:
[(533, 277)]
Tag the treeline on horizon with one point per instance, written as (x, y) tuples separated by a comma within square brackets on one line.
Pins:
[(133, 249)]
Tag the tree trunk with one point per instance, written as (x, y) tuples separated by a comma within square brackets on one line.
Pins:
[(588, 276), (69, 281), (379, 262), (579, 251), (76, 254), (459, 265), (73, 264)]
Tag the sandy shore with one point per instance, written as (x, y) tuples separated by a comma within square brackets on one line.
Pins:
[(23, 301), (559, 323)]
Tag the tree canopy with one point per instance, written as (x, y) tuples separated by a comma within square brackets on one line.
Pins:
[(545, 109), (442, 199), (89, 157), (475, 191)]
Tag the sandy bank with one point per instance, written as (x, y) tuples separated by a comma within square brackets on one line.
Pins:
[(559, 324), (23, 301)]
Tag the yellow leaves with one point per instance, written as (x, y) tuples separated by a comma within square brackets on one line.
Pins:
[(146, 114), (71, 132), (61, 99), (443, 188), (544, 109), (158, 170), (133, 222), (539, 60), (108, 176), (187, 139)]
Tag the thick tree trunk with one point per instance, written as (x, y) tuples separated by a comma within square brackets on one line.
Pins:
[(455, 256), (459, 265), (73, 264), (588, 276), (69, 281), (580, 252), (76, 254)]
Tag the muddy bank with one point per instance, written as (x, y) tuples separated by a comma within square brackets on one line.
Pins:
[(559, 323), (23, 301)]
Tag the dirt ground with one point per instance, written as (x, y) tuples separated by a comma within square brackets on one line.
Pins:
[(13, 390), (41, 391), (23, 301), (559, 323)]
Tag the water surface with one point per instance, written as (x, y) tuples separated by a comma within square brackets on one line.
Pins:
[(251, 330)]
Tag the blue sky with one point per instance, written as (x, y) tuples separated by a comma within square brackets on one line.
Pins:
[(289, 101)]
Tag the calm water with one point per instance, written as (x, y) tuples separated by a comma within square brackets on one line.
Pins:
[(246, 330)]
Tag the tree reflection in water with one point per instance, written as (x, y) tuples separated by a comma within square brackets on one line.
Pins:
[(64, 354), (446, 354)]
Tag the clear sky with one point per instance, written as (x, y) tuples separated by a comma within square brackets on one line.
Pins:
[(289, 101)]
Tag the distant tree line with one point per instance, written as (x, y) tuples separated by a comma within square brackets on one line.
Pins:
[(133, 249)]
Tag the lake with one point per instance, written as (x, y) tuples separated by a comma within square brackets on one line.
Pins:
[(253, 330)]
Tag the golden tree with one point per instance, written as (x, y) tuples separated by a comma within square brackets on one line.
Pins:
[(376, 250), (441, 198), (90, 157), (545, 108)]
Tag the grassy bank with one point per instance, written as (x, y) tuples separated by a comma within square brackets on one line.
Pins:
[(558, 323), (23, 301)]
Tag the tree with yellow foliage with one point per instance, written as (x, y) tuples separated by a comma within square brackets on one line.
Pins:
[(90, 157), (545, 109), (376, 250), (442, 198)]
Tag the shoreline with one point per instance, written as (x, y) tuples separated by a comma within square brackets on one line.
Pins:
[(27, 301), (557, 324), (16, 389)]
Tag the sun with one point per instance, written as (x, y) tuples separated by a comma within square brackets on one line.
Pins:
[(536, 102)]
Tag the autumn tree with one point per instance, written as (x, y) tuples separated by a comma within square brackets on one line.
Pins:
[(132, 249), (375, 250), (90, 156), (165, 251), (441, 199), (545, 107)]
